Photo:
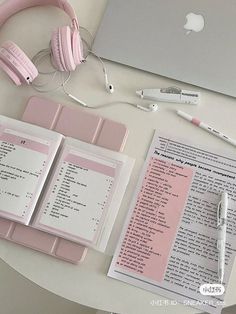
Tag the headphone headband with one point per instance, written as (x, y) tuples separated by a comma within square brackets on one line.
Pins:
[(11, 7)]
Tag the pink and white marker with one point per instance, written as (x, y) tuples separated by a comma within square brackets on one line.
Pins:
[(206, 127)]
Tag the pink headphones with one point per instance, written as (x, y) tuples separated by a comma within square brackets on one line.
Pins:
[(66, 50), (66, 45)]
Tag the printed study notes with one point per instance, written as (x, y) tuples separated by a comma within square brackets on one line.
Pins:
[(60, 185), (169, 241), (26, 155), (84, 193)]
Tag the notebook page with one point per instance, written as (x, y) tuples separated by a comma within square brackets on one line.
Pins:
[(81, 193), (169, 241), (26, 155)]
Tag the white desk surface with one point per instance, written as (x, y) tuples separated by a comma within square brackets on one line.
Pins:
[(87, 283)]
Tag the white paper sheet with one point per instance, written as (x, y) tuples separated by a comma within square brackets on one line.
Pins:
[(26, 155), (84, 193), (168, 243)]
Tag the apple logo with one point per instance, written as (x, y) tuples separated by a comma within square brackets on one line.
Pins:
[(195, 22)]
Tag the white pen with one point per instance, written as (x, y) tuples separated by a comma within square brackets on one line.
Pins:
[(221, 225), (170, 94), (206, 127)]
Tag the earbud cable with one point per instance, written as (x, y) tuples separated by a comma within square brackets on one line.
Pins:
[(64, 80), (82, 103), (42, 54)]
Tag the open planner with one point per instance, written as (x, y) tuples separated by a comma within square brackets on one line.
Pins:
[(169, 241), (60, 185)]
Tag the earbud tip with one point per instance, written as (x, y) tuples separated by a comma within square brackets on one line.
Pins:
[(110, 88), (153, 107)]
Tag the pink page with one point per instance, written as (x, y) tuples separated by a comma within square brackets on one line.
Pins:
[(155, 219)]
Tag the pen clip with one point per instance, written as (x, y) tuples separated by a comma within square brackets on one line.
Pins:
[(171, 90)]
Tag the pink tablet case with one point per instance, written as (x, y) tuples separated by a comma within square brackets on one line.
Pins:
[(74, 123)]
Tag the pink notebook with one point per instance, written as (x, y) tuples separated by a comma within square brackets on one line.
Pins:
[(69, 122)]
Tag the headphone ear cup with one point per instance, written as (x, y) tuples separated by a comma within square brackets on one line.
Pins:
[(65, 38), (67, 51), (16, 64), (13, 76), (57, 61), (77, 47)]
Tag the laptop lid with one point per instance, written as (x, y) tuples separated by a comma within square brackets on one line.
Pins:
[(156, 36)]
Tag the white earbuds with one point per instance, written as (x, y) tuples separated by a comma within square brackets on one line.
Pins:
[(109, 87), (150, 108)]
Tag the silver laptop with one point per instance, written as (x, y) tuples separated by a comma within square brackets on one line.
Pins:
[(187, 40)]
